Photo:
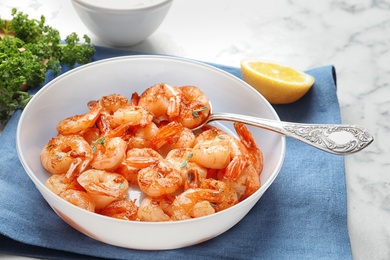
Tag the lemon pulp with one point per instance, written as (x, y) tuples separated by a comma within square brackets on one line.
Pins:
[(279, 84)]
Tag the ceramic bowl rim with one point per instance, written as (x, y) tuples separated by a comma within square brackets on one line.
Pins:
[(97, 8)]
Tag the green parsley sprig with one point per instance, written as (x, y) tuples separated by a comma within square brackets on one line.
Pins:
[(28, 50)]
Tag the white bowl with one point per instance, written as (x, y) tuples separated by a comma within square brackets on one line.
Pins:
[(122, 22), (68, 95)]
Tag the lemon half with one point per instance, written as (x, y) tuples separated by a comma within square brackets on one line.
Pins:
[(279, 84)]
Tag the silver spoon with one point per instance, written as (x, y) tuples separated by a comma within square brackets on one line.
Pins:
[(336, 139)]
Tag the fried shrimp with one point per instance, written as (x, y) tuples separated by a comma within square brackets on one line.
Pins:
[(246, 138), (162, 100), (252, 181), (71, 191), (136, 159), (218, 150), (185, 139), (142, 157), (78, 123), (109, 105), (78, 198), (227, 195), (193, 202), (69, 154), (159, 179), (194, 107), (131, 116), (141, 136), (169, 133), (214, 153), (116, 119), (212, 196), (191, 172), (113, 102), (58, 183), (155, 208), (121, 209), (104, 187), (108, 153), (243, 171), (91, 134)]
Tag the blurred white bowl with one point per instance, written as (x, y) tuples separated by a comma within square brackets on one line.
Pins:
[(68, 95), (122, 22)]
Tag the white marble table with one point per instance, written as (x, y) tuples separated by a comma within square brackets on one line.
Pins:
[(354, 36)]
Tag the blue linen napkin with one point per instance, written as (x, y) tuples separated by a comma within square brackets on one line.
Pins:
[(301, 216)]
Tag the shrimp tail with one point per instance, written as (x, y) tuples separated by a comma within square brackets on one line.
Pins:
[(72, 171), (235, 167), (103, 123), (174, 106), (134, 99), (245, 136), (118, 131), (192, 179), (167, 133)]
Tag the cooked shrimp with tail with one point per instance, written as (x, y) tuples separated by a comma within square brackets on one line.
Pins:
[(104, 187), (254, 152), (156, 208), (78, 198), (192, 172), (78, 123), (121, 209), (58, 183), (162, 100), (137, 159), (212, 196), (194, 107), (69, 154), (108, 153), (159, 179)]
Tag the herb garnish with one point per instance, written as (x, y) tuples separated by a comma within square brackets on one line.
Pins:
[(28, 50), (185, 162), (100, 141), (195, 113)]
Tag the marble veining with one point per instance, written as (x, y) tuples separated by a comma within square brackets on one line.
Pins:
[(354, 36)]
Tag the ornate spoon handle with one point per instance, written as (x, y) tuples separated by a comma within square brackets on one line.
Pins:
[(336, 139)]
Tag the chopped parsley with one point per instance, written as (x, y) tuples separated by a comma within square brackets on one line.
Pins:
[(185, 162), (195, 113), (100, 140)]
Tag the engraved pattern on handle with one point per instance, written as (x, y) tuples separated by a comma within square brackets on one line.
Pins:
[(319, 136)]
